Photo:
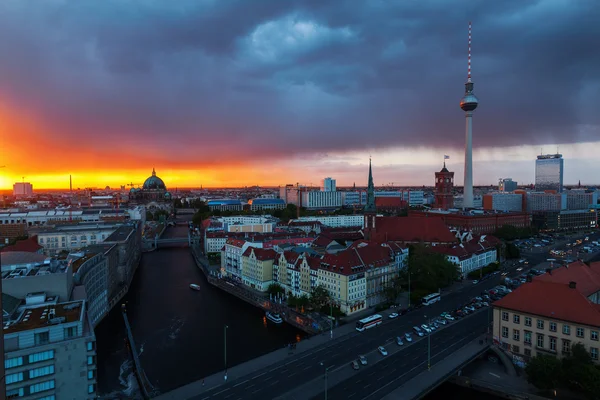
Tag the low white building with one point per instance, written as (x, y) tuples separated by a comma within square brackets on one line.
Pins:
[(336, 221), (470, 255), (320, 199)]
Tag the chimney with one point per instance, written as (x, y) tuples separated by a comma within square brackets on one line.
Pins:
[(572, 285)]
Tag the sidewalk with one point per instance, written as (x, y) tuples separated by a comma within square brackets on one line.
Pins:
[(267, 360)]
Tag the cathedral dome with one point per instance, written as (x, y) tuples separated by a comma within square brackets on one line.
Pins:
[(154, 182)]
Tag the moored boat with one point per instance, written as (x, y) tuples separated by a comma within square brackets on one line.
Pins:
[(194, 286), (274, 317)]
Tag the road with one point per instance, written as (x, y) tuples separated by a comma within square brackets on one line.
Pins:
[(374, 382), (283, 376)]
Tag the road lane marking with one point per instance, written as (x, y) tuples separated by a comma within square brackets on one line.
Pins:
[(249, 386), (367, 386), (270, 377), (380, 378), (497, 376), (274, 383), (392, 371), (229, 395), (222, 391), (292, 374), (351, 395), (309, 367), (259, 375), (372, 373), (241, 383), (256, 391), (417, 357)]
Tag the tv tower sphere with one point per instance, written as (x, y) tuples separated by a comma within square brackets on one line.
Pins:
[(469, 101)]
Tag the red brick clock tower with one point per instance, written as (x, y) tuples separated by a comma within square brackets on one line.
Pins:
[(444, 187)]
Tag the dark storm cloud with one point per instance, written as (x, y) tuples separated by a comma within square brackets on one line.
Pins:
[(240, 78)]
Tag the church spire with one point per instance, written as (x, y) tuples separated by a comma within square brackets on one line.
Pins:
[(370, 206), (153, 172)]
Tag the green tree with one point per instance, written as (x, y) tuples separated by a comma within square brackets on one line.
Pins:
[(275, 288), (393, 290), (149, 216), (319, 297), (544, 372), (428, 271), (512, 251)]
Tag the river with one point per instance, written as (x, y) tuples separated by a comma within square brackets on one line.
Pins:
[(180, 332)]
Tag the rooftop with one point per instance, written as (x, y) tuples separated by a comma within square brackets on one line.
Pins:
[(413, 229), (587, 277), (21, 258), (552, 300), (120, 234), (46, 315), (28, 245), (77, 260)]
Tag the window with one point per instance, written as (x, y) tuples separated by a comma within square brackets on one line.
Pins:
[(594, 353), (504, 332), (40, 387), (580, 332), (42, 338), (566, 329), (13, 362), (552, 343), (14, 378), (92, 374), (566, 346), (594, 335), (43, 356), (504, 316), (552, 326), (540, 340), (91, 389), (540, 324), (70, 332), (527, 321), (515, 349), (517, 319), (91, 346), (528, 352), (12, 393), (51, 397), (91, 360), (516, 335), (527, 338), (43, 371)]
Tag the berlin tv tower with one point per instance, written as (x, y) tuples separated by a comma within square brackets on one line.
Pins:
[(468, 103)]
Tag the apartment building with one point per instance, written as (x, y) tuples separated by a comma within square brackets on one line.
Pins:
[(549, 315), (471, 255), (72, 237), (257, 267), (336, 221), (50, 350), (503, 201), (321, 199)]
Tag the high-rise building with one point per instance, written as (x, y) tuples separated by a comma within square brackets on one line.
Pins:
[(23, 189), (328, 185), (468, 104), (444, 186), (507, 185), (549, 172)]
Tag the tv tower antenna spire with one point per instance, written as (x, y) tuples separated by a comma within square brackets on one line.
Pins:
[(469, 59)]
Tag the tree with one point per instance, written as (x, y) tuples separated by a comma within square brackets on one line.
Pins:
[(319, 297), (149, 216), (544, 372), (512, 251), (574, 366), (275, 288), (393, 290), (428, 271)]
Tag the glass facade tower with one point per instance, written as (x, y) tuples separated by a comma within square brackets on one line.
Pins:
[(549, 172)]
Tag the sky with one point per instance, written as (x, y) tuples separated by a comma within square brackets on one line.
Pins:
[(270, 92)]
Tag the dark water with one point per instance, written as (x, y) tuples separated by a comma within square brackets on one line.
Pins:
[(448, 391), (180, 332)]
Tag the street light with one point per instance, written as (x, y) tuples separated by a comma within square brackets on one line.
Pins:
[(408, 286), (429, 345), (330, 320), (326, 370), (225, 349)]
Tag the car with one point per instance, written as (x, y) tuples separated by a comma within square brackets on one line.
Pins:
[(470, 309), (478, 298), (435, 325), (382, 350), (393, 315), (475, 282), (354, 365), (399, 341), (442, 321), (362, 360), (486, 304), (426, 328), (449, 317), (408, 337), (418, 331)]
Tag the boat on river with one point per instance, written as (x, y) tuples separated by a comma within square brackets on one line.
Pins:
[(194, 286), (274, 317)]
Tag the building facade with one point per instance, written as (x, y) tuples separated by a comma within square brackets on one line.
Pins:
[(22, 189), (503, 201), (507, 185), (337, 221), (483, 223), (257, 268), (328, 185), (321, 200), (549, 172), (50, 352)]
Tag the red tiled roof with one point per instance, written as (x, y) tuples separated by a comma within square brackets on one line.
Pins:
[(291, 257), (236, 242), (322, 241), (313, 262), (29, 245), (389, 202), (586, 277), (412, 229), (261, 254), (359, 258), (552, 300), (466, 249)]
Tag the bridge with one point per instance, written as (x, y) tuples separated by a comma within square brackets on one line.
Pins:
[(182, 240), (300, 373)]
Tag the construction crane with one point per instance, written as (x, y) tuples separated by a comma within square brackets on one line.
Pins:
[(133, 184)]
